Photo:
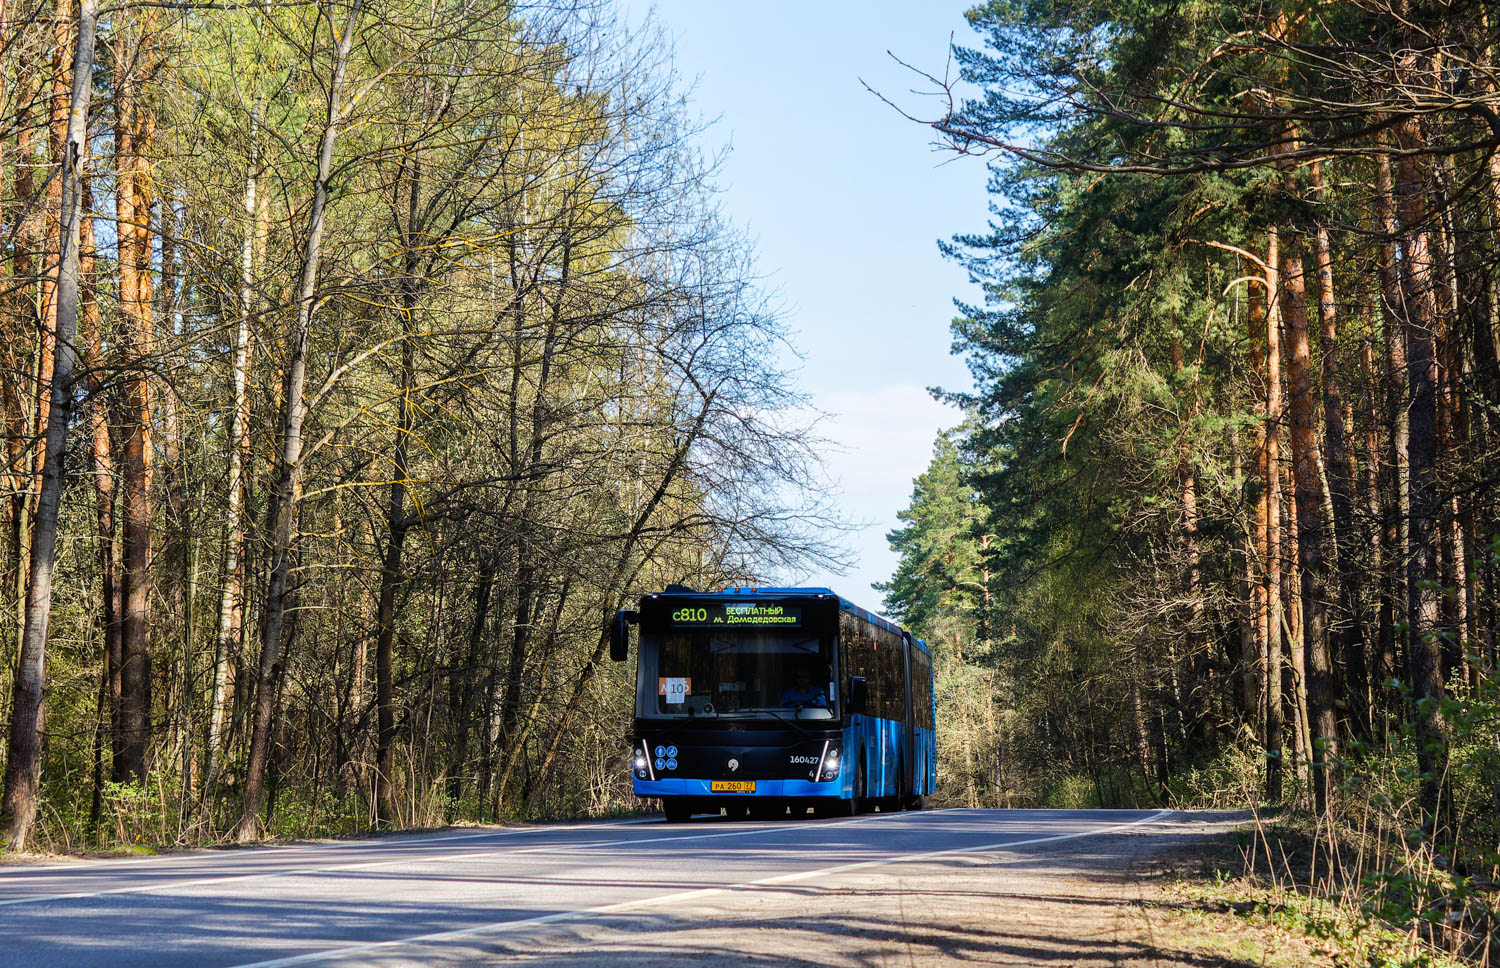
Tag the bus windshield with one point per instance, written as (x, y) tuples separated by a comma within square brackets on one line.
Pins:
[(743, 673)]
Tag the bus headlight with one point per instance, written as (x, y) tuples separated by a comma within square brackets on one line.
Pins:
[(639, 764), (831, 765)]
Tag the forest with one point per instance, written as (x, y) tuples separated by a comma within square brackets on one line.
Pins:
[(359, 358), (1220, 524)]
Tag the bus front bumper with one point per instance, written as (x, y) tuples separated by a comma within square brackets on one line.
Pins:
[(681, 787)]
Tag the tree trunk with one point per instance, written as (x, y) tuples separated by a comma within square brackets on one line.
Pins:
[(1249, 658), (102, 470), (390, 581), (23, 751), (1271, 540), (133, 212), (1451, 437), (409, 178), (525, 590), (178, 553), (1384, 664), (461, 684), (1424, 645), (1348, 634), (286, 490), (1188, 483), (24, 217), (1295, 685), (1308, 493), (62, 27), (520, 644), (232, 596), (1393, 314)]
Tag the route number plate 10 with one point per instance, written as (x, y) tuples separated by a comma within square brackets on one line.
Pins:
[(675, 690), (732, 786)]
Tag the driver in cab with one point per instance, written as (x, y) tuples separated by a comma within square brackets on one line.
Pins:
[(802, 692)]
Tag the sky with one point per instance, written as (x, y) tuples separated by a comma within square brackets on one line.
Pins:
[(847, 200)]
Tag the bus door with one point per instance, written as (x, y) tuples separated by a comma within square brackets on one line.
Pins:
[(904, 784)]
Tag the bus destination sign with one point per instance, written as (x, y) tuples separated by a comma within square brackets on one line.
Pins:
[(720, 614)]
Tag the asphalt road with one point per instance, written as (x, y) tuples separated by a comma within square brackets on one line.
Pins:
[(436, 899)]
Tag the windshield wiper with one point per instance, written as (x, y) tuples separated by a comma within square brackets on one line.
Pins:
[(789, 722)]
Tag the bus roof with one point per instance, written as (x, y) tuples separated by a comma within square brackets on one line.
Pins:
[(762, 591)]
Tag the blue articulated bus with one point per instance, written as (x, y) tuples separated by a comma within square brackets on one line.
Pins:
[(756, 701)]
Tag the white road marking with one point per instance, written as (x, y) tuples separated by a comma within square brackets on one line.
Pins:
[(223, 878), (114, 863), (388, 861), (502, 927)]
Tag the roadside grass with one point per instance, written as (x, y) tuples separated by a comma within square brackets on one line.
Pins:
[(1220, 904), (1242, 920), (1214, 928), (126, 850)]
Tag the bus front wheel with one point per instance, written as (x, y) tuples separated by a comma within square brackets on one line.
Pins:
[(860, 803)]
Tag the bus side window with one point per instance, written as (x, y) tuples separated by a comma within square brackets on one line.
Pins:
[(893, 671), (849, 651), (929, 700), (895, 666), (927, 691), (916, 686), (921, 688), (860, 659)]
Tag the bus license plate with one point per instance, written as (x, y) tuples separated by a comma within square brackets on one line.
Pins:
[(732, 786)]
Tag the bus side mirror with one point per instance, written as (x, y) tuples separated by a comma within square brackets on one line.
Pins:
[(859, 695), (619, 634)]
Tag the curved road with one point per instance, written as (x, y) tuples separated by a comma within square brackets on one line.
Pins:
[(453, 897)]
